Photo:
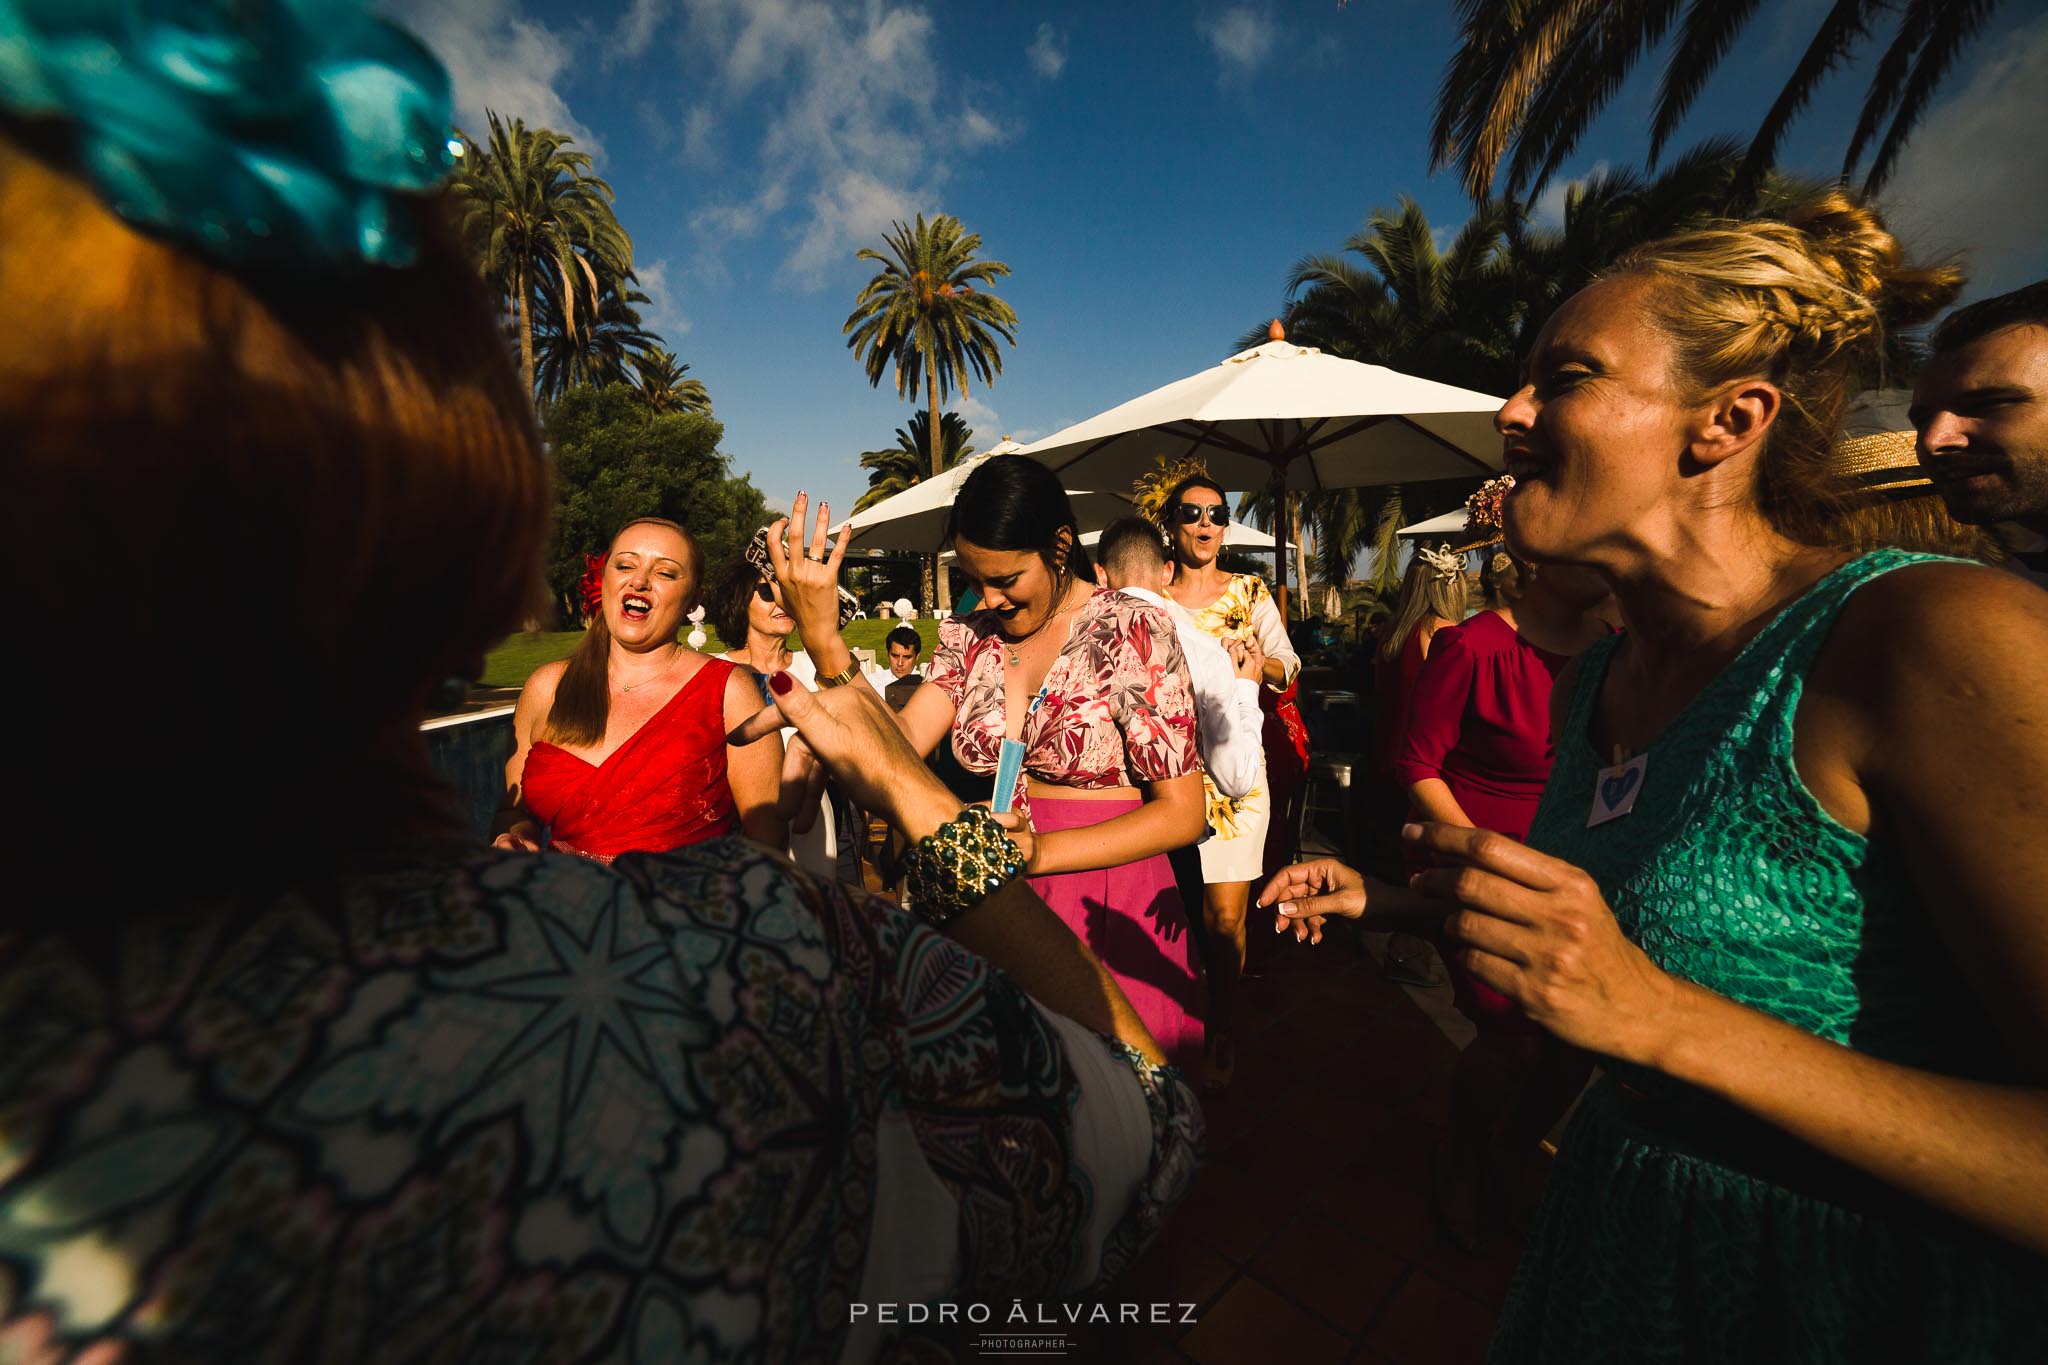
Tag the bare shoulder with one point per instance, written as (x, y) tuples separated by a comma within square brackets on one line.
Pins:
[(742, 693), (1945, 620), (540, 685)]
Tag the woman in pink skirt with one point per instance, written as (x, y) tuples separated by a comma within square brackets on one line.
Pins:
[(1094, 686)]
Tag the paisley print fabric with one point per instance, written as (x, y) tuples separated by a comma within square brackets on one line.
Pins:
[(1675, 1228), (1118, 706), (519, 1108)]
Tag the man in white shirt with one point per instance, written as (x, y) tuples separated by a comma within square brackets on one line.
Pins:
[(1981, 408), (1226, 685), (901, 677)]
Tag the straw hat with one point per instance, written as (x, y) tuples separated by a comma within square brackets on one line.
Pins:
[(1876, 454)]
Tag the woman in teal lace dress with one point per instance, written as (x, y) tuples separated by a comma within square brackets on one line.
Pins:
[(1788, 872)]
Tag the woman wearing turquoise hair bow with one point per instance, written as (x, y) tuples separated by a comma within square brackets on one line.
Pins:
[(289, 1068)]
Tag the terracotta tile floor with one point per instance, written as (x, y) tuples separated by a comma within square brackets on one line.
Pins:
[(1308, 1235)]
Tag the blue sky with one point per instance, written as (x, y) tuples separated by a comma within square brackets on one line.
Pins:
[(1148, 170)]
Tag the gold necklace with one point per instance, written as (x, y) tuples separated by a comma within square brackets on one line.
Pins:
[(673, 661)]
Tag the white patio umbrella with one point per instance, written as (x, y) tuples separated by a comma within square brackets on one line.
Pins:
[(915, 519), (1281, 415), (1449, 524)]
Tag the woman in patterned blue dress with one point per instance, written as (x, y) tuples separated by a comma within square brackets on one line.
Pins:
[(292, 1071)]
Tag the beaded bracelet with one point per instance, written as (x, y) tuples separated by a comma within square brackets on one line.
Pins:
[(955, 866)]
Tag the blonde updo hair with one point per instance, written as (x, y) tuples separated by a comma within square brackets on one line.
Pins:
[(1805, 303), (1500, 576)]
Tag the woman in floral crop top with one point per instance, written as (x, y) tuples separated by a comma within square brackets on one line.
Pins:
[(1095, 685)]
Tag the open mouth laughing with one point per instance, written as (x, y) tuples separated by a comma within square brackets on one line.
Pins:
[(635, 606), (1525, 466)]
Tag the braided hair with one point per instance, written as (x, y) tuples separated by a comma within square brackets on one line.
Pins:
[(1805, 303)]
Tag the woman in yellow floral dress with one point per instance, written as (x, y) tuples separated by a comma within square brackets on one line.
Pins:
[(1240, 612)]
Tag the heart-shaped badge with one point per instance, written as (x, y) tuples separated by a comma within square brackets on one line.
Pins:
[(1615, 790)]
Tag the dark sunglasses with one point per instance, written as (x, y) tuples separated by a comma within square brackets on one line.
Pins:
[(1188, 513), (765, 591)]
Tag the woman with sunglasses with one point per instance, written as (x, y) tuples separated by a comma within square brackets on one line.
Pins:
[(746, 606), (1239, 611)]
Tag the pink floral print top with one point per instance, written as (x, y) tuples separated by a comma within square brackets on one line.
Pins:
[(1118, 707)]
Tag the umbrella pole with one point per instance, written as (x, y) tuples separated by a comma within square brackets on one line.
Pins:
[(1280, 520)]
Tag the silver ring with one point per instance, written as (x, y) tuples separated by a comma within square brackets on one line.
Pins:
[(815, 559)]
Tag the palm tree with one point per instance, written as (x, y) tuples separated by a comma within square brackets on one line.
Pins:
[(1446, 315), (896, 468), (662, 386), (542, 229), (922, 315), (601, 351), (1529, 77)]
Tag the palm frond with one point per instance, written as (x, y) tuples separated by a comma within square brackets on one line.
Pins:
[(1957, 22)]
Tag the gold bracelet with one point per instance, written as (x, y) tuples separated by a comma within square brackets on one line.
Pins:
[(842, 677), (959, 864)]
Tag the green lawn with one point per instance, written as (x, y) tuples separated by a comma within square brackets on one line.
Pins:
[(509, 664)]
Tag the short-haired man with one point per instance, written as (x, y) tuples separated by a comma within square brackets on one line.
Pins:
[(903, 645), (1134, 561), (1981, 408)]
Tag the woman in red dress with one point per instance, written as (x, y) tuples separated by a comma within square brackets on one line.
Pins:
[(1434, 595), (1476, 752), (621, 747)]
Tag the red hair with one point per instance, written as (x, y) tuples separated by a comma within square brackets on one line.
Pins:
[(253, 523)]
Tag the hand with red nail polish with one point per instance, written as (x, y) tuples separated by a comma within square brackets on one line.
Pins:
[(809, 578), (852, 732)]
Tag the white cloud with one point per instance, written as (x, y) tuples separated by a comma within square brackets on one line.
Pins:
[(1548, 210), (979, 130), (499, 60), (1048, 52), (665, 313), (1241, 37), (699, 126), (980, 416), (1971, 179), (855, 207), (635, 32), (860, 121)]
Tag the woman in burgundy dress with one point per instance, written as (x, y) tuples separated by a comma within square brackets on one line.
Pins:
[(1434, 596), (1476, 752), (621, 747)]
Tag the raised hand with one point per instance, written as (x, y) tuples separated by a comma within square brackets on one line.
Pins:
[(809, 578), (1536, 929)]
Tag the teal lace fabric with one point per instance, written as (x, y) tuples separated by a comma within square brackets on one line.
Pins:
[(1675, 1228), (534, 1109)]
